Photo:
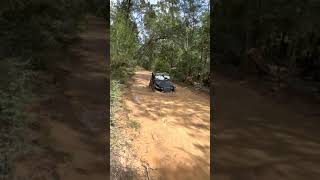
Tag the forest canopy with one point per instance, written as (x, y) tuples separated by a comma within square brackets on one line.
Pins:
[(169, 35), (281, 35)]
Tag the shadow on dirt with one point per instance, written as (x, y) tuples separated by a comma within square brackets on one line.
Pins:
[(74, 114), (260, 138), (185, 172)]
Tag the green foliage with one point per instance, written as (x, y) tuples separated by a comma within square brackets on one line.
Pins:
[(115, 93), (134, 124), (173, 37), (176, 39), (28, 28), (98, 8), (124, 44), (287, 31), (15, 94), (161, 65)]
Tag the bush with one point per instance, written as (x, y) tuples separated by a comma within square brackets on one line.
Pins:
[(15, 94), (115, 93), (30, 27), (161, 66)]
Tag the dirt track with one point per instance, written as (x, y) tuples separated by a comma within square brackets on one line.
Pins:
[(71, 124), (174, 137), (264, 137)]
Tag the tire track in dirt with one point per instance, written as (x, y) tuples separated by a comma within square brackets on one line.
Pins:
[(174, 137)]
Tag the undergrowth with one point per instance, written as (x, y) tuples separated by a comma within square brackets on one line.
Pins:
[(119, 143), (15, 95), (115, 93), (134, 124)]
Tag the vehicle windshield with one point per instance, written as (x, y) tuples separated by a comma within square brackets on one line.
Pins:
[(162, 77), (159, 77)]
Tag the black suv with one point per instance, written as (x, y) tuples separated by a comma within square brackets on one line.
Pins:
[(161, 82)]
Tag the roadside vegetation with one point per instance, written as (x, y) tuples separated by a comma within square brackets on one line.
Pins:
[(15, 94), (33, 35), (275, 40)]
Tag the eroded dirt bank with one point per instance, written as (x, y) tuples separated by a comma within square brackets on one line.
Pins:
[(173, 136)]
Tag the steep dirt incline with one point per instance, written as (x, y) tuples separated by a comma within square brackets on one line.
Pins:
[(73, 120), (263, 137), (173, 142)]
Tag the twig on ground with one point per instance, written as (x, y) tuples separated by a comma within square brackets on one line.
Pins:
[(146, 167)]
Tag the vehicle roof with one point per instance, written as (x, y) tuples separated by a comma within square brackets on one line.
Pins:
[(160, 73)]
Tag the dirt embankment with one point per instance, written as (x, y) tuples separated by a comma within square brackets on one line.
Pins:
[(172, 139), (71, 122)]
